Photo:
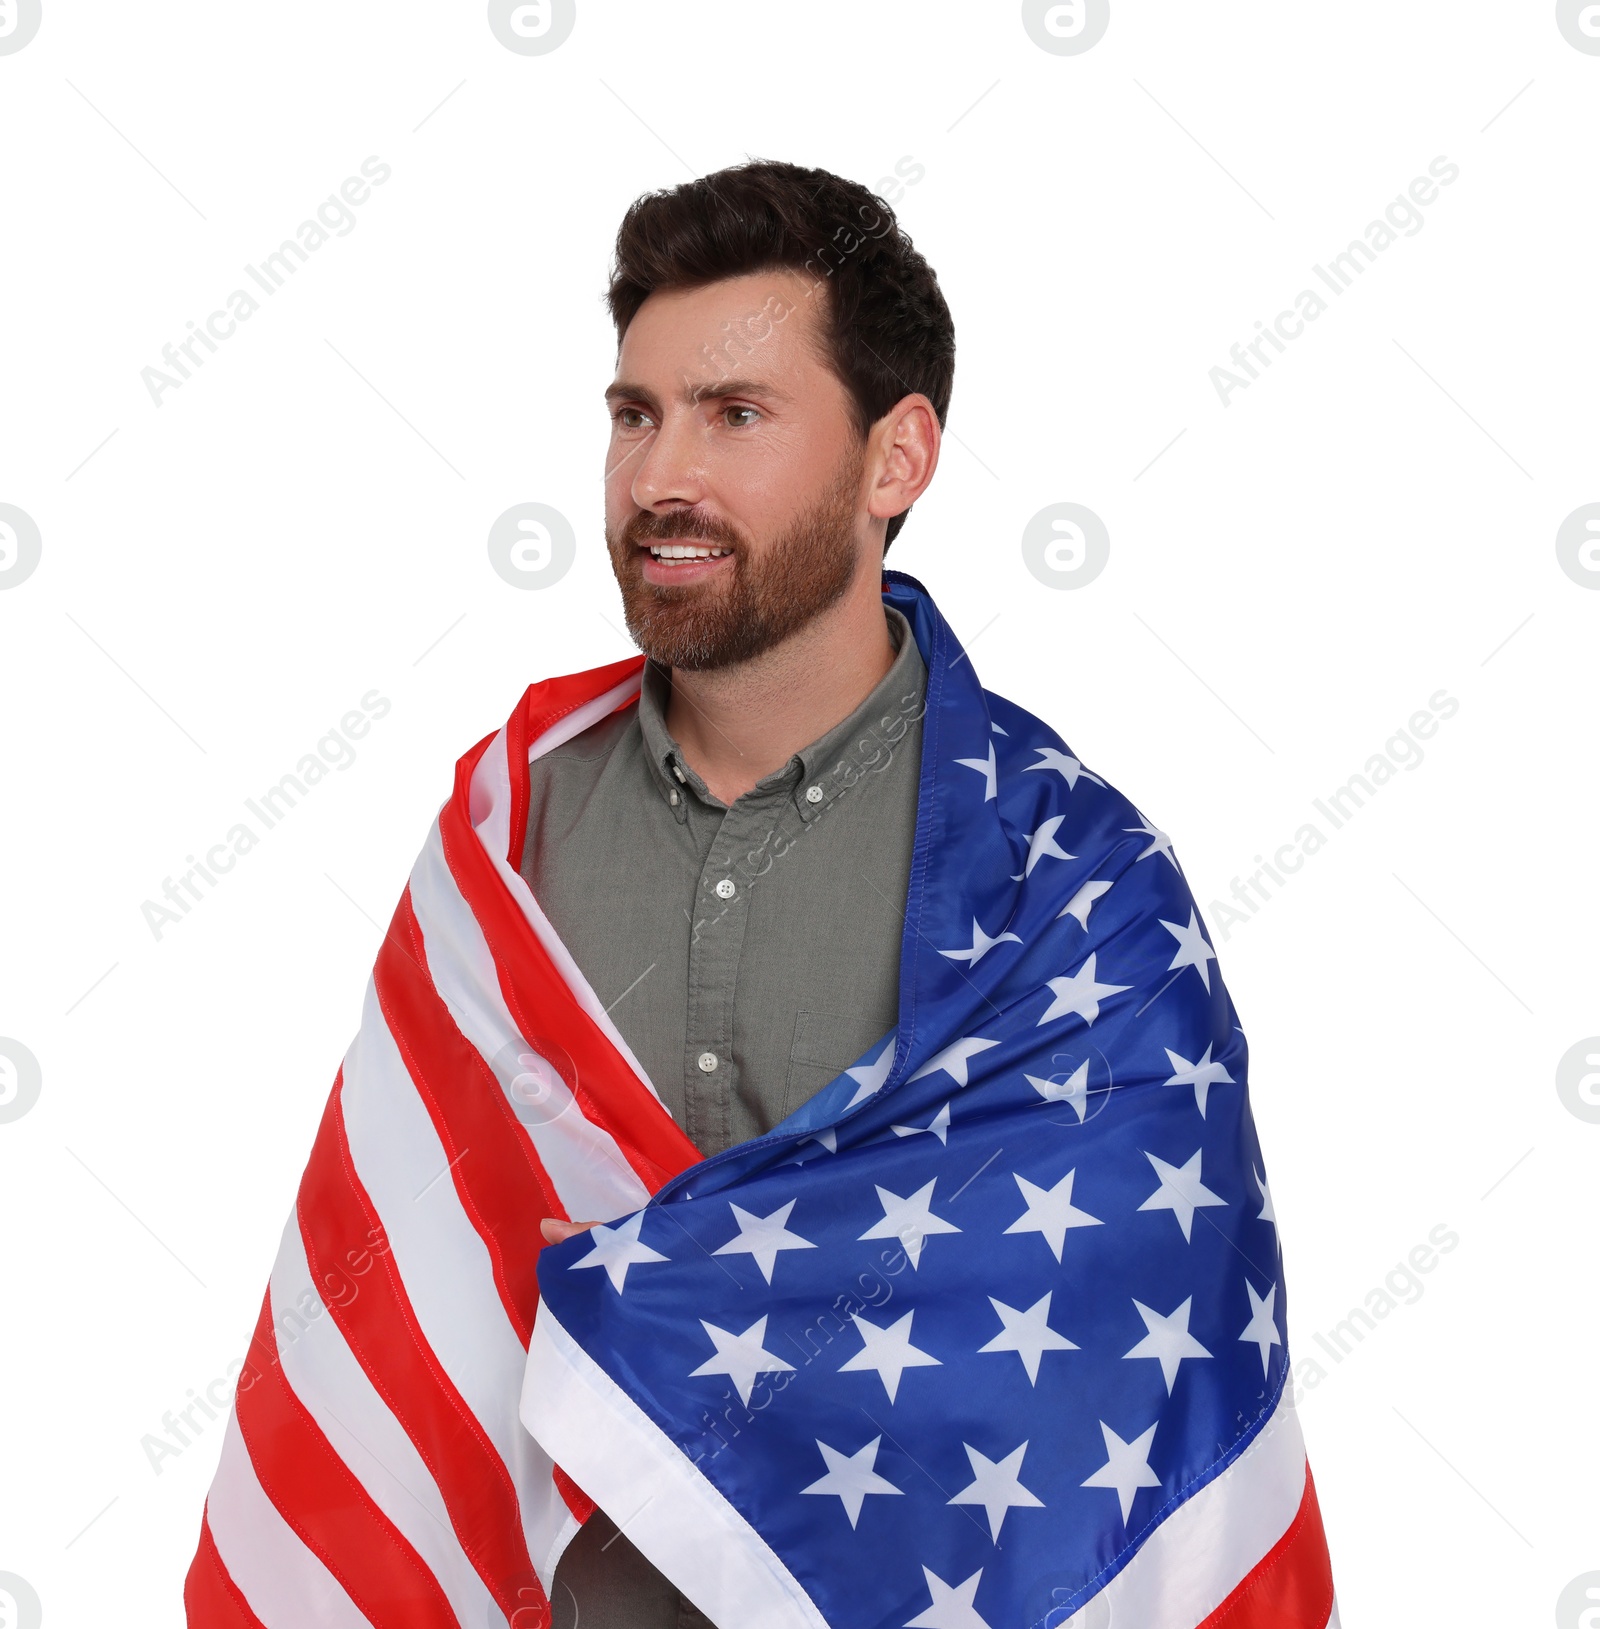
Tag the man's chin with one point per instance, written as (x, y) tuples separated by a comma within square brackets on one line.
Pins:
[(682, 627)]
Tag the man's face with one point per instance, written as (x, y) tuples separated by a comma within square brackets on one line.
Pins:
[(734, 508)]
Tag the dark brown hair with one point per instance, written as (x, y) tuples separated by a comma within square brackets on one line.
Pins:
[(886, 328)]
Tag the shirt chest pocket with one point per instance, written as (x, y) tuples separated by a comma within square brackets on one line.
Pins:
[(825, 1045)]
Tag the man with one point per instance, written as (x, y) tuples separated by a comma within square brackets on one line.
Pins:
[(750, 823), (771, 980)]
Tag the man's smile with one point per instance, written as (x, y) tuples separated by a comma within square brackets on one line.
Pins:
[(681, 560), (687, 551)]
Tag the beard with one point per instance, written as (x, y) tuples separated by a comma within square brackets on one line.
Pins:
[(766, 595)]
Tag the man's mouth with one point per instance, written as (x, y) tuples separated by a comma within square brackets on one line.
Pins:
[(687, 551)]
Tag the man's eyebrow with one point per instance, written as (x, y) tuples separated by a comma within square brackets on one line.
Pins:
[(710, 390)]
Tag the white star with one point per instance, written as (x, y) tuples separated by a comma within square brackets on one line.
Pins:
[(1202, 1075), (996, 1486), (1068, 767), (870, 1076), (908, 1220), (1262, 1328), (981, 944), (618, 1248), (1079, 994), (1193, 951), (1160, 843), (1081, 902), (952, 1604), (1074, 1089), (1050, 1212), (828, 1137), (939, 1125), (985, 767), (1042, 845), (888, 1351), (1028, 1334), (995, 729), (1268, 1214), (1168, 1340), (740, 1357), (1181, 1191), (763, 1237), (955, 1057), (851, 1477), (1127, 1467)]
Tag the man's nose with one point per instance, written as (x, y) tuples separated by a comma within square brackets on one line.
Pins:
[(669, 468)]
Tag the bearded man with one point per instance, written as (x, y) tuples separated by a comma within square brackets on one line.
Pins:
[(803, 1030)]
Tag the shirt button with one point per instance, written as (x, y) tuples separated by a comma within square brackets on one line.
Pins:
[(813, 794), (725, 889), (707, 1062), (672, 798)]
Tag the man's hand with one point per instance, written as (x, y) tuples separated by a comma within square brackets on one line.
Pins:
[(559, 1232)]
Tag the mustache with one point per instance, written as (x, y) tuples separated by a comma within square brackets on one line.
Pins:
[(647, 527)]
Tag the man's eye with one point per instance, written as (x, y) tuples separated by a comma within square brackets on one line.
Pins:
[(626, 415), (727, 410)]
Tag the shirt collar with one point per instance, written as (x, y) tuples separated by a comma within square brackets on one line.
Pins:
[(862, 744)]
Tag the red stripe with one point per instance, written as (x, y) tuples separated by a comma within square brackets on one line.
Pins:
[(577, 1501), (1291, 1587), (504, 1190), (318, 1495), (497, 1172), (211, 1599), (605, 1088), (541, 706), (340, 1226)]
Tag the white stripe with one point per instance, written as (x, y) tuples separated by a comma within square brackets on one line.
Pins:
[(490, 804), (592, 1178), (325, 1375), (443, 1263), (1201, 1553), (638, 1475), (580, 718), (285, 1584)]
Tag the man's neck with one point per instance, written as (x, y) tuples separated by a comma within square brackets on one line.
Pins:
[(738, 724)]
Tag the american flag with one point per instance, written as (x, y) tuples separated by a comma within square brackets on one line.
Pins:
[(988, 1335)]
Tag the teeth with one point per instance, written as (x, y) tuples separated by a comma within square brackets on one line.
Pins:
[(688, 551)]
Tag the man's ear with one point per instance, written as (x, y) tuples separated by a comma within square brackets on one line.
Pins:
[(904, 447)]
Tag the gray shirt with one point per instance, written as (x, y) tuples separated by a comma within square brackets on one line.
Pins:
[(748, 952)]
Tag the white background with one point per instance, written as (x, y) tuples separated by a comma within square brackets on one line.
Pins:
[(304, 520)]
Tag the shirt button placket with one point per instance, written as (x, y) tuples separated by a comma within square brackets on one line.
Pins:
[(714, 958)]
